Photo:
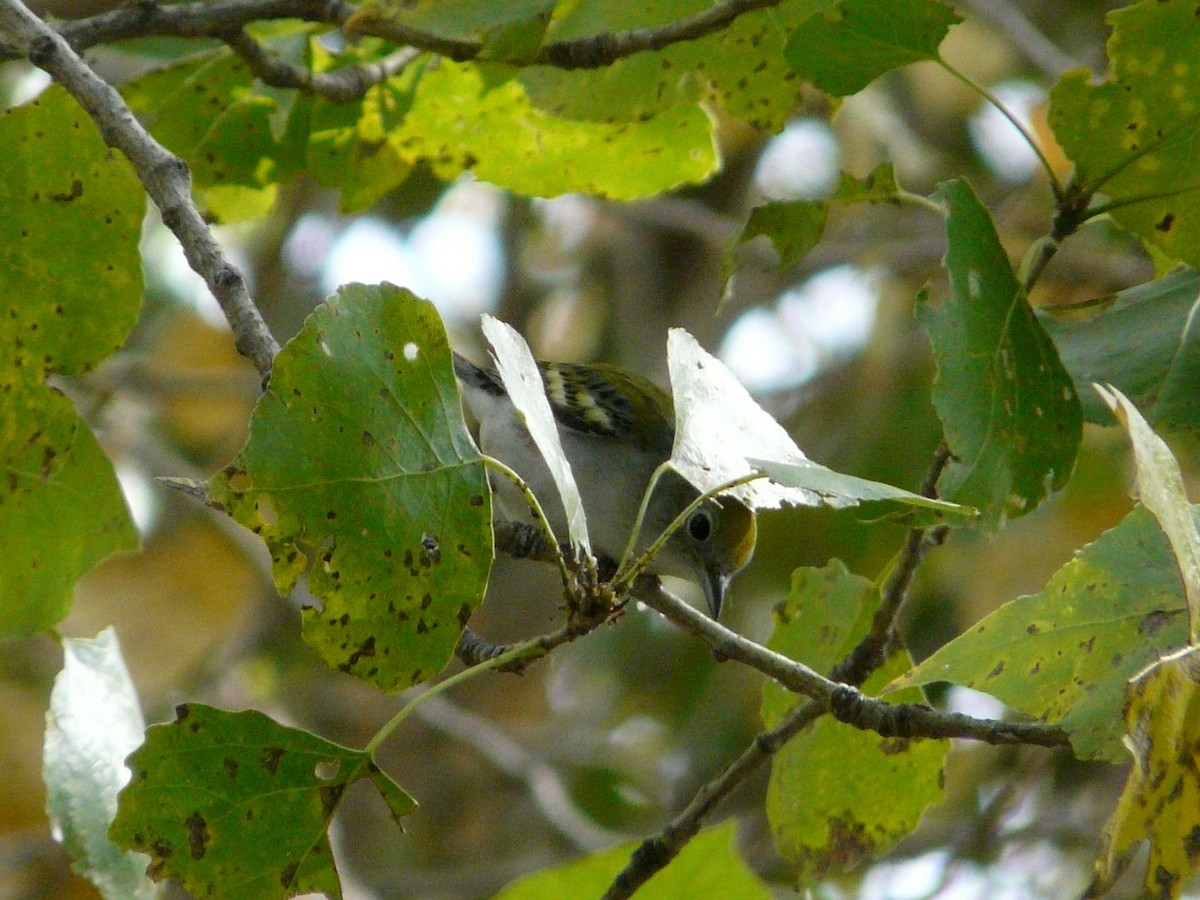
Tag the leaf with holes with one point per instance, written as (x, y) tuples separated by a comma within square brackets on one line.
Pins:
[(1010, 412), (359, 457), (238, 806), (1161, 799)]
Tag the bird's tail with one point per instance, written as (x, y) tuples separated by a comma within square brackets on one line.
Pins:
[(476, 376)]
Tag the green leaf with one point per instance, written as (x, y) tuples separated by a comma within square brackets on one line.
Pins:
[(69, 265), (358, 454), (795, 227), (1161, 799), (739, 67), (236, 805), (843, 49), (478, 116), (708, 866), (1133, 136), (1011, 416), (233, 132), (1145, 341), (71, 276), (823, 799), (1066, 653), (61, 508), (94, 722)]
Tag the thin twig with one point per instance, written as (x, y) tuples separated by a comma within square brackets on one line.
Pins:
[(339, 86), (871, 652), (163, 174), (656, 852), (845, 702), (600, 50)]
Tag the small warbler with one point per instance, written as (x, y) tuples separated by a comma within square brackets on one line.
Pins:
[(616, 428)]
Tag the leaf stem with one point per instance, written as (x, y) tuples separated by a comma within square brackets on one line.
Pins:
[(1055, 185), (544, 523), (627, 573), (518, 652)]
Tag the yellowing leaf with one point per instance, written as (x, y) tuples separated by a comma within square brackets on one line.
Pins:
[(1066, 653), (819, 822), (1161, 799), (1160, 488)]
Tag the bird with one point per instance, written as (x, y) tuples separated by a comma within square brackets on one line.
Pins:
[(616, 429)]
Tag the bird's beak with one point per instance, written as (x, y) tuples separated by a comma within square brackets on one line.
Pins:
[(716, 583)]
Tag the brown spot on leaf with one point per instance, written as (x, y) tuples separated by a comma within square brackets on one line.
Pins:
[(198, 835), (230, 765), (1164, 224), (1151, 623), (270, 758), (330, 795), (76, 193), (288, 874), (997, 670), (365, 649)]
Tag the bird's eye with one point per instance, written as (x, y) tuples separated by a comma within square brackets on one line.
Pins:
[(700, 525)]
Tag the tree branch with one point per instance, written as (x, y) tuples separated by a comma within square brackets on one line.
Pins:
[(872, 651), (220, 19), (656, 852), (844, 702), (339, 86), (163, 174)]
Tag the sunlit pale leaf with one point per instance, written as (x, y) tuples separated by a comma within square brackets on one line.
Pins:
[(1145, 341), (1161, 799), (1066, 654), (828, 483), (94, 722), (708, 866), (1133, 136), (823, 822), (359, 459), (1160, 488), (718, 426), (1010, 413), (850, 44), (236, 805), (521, 378)]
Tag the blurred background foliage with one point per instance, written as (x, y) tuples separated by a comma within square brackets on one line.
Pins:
[(607, 738)]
